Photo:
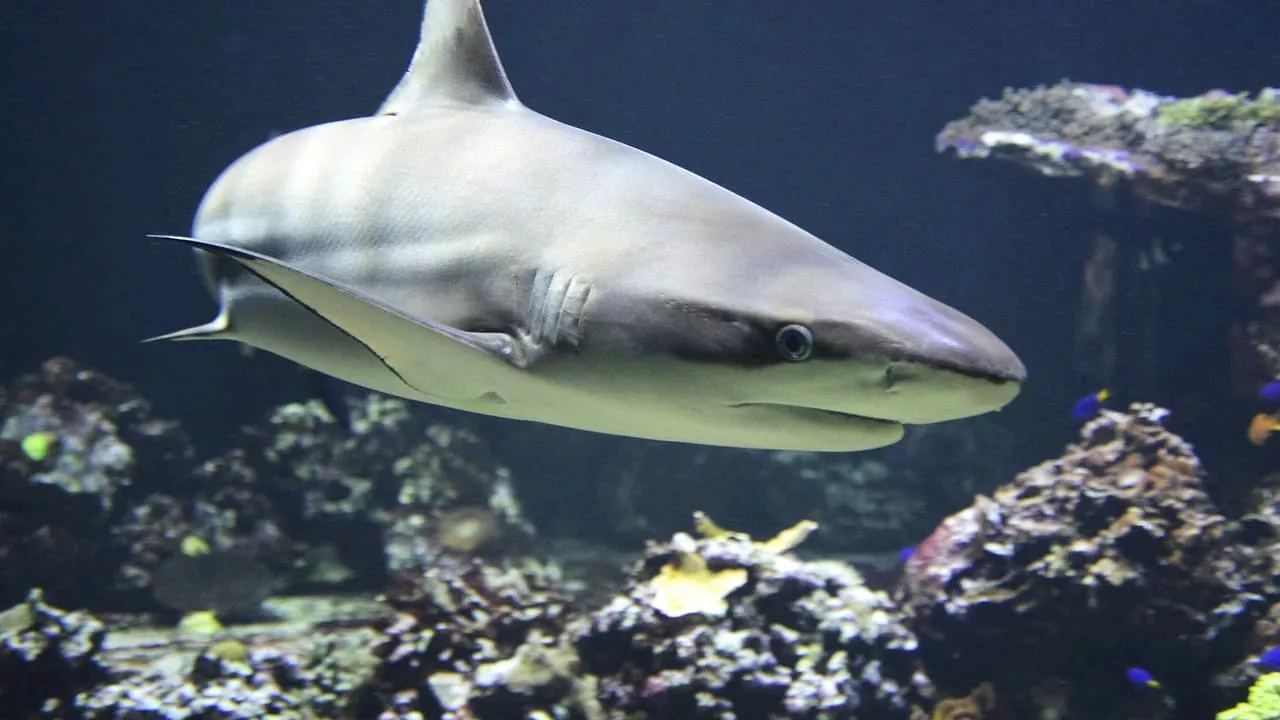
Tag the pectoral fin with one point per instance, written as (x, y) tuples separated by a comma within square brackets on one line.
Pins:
[(435, 359), (215, 329)]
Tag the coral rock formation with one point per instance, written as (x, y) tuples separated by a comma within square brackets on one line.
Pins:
[(1109, 557), (1213, 152), (304, 676), (793, 639), (396, 472), (480, 641), (46, 656), (97, 496), (65, 513)]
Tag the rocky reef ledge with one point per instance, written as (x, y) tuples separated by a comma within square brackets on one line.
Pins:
[(1033, 602)]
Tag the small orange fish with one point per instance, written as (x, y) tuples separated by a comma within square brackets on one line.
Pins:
[(1262, 427)]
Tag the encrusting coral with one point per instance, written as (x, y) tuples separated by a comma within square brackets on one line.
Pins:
[(1110, 556), (794, 638), (98, 498), (398, 478), (59, 664), (1216, 152), (686, 585), (473, 640), (80, 454), (47, 656)]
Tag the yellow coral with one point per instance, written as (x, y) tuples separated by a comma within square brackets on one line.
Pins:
[(1263, 703), (229, 651), (203, 622), (195, 546), (37, 446), (687, 586), (782, 542), (788, 539), (707, 528), (976, 705)]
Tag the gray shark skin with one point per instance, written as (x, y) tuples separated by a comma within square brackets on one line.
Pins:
[(458, 248)]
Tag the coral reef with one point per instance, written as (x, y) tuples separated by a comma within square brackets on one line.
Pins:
[(296, 676), (1218, 110), (396, 477), (1252, 561), (68, 515), (1164, 174), (114, 493), (1214, 152), (474, 640), (314, 662), (47, 656), (1109, 557), (237, 509), (97, 496), (1041, 594), (253, 683), (1263, 702), (773, 636)]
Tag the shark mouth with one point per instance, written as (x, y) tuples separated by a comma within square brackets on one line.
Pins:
[(820, 415)]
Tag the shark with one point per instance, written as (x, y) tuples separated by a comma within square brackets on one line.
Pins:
[(461, 249)]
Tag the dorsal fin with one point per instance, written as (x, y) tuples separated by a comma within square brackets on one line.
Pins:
[(455, 62)]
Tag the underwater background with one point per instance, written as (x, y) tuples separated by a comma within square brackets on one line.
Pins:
[(238, 485)]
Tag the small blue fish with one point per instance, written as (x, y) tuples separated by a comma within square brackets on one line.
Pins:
[(1271, 392), (1270, 658), (1141, 677), (906, 553), (1089, 405)]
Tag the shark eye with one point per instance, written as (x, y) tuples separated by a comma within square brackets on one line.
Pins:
[(795, 342)]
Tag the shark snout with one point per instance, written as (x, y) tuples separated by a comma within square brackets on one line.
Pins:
[(944, 337), (951, 366)]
